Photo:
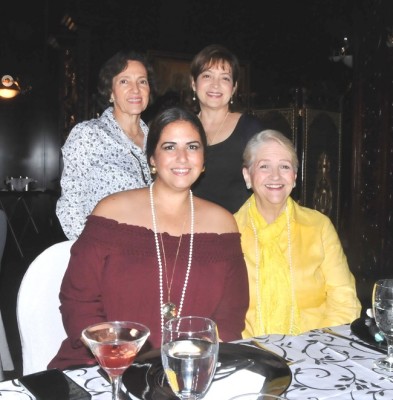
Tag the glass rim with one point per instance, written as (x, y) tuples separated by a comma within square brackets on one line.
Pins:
[(143, 327), (381, 282), (168, 324)]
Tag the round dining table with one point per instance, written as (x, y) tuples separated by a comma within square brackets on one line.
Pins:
[(324, 364)]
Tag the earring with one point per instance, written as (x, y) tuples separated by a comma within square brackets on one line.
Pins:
[(231, 101), (111, 100), (294, 184), (248, 185), (153, 170), (193, 96)]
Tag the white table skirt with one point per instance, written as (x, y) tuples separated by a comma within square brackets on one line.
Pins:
[(333, 368)]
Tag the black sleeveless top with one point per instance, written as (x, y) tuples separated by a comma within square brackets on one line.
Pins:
[(222, 182)]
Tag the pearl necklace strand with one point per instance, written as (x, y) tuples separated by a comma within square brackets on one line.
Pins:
[(257, 263), (160, 268)]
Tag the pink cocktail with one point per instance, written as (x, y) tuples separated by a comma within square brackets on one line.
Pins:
[(115, 345)]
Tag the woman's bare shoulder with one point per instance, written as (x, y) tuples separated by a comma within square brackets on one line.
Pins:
[(121, 206), (210, 217)]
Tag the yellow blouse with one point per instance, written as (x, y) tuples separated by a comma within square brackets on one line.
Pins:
[(324, 287)]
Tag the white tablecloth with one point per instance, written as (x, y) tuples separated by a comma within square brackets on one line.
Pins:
[(332, 368)]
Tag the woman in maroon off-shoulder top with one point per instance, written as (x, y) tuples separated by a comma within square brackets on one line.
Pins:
[(150, 253)]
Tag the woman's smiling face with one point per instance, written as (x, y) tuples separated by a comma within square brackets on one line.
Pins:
[(214, 86), (272, 175), (179, 154)]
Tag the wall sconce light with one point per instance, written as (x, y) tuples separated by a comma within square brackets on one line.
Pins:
[(9, 87)]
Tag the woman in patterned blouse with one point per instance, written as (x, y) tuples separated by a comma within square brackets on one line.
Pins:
[(107, 155)]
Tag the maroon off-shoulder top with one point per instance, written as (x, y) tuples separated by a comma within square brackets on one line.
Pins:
[(113, 274)]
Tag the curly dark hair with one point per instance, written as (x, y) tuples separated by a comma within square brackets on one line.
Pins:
[(116, 64)]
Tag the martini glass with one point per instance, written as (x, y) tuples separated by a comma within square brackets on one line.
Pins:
[(115, 345)]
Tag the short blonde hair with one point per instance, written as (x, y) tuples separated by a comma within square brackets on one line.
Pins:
[(266, 136)]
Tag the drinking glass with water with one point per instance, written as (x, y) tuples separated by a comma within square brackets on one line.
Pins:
[(189, 355), (382, 300)]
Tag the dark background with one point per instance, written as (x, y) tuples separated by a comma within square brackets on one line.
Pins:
[(55, 49), (287, 45)]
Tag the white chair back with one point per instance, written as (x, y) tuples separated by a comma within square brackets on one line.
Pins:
[(6, 363), (39, 319)]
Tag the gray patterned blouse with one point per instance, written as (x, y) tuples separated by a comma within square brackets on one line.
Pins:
[(99, 159)]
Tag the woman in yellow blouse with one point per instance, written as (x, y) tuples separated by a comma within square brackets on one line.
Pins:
[(298, 274)]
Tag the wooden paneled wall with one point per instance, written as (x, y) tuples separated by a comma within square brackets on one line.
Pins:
[(370, 216)]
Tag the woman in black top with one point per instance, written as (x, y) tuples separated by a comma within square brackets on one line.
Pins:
[(214, 80)]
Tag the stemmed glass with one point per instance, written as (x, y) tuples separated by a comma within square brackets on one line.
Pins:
[(115, 345), (189, 355), (382, 301)]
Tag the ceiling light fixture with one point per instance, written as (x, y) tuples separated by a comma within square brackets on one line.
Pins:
[(9, 87)]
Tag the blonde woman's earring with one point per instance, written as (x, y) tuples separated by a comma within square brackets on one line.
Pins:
[(193, 96), (153, 170)]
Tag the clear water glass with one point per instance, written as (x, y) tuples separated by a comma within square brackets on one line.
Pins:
[(189, 355), (382, 301)]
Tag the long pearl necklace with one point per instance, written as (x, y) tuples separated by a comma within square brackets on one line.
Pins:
[(169, 309), (257, 264)]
